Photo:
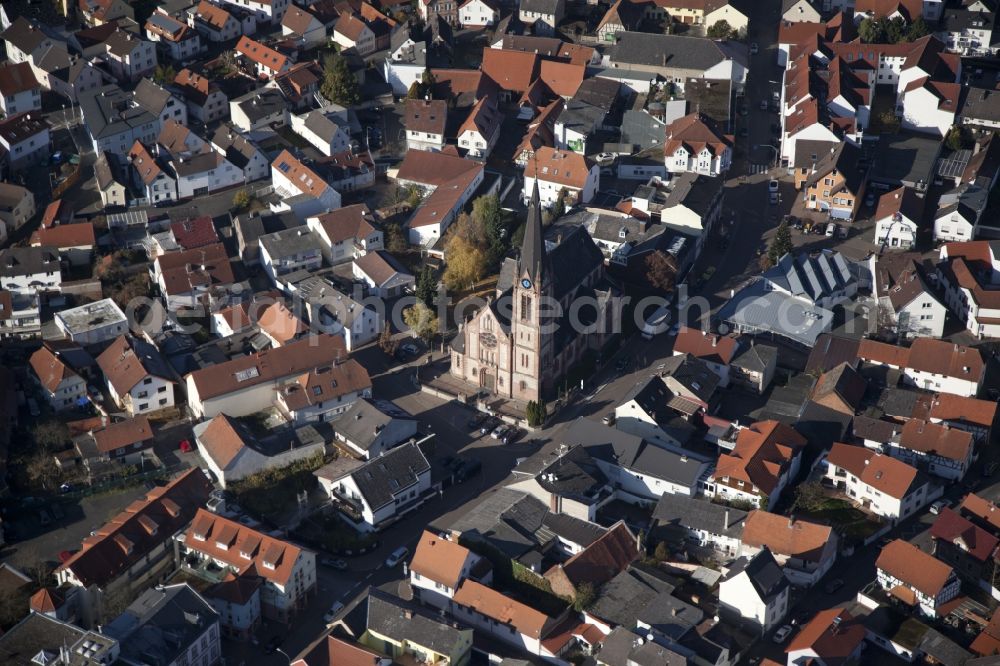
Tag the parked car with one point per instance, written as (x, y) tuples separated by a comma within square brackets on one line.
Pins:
[(609, 419), (476, 421), (333, 563), (489, 425), (842, 232), (331, 614), (833, 586), (397, 556), (772, 186), (937, 506), (831, 229), (499, 431), (782, 634), (512, 435), (754, 49)]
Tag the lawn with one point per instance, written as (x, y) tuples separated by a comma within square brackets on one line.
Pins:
[(849, 521)]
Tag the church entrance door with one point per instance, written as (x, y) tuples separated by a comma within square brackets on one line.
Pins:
[(488, 381)]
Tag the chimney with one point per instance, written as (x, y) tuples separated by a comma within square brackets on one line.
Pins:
[(791, 521), (715, 341), (725, 520)]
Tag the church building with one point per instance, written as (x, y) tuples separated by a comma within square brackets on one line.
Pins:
[(552, 304)]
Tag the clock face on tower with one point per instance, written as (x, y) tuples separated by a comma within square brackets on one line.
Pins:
[(526, 283), (487, 340)]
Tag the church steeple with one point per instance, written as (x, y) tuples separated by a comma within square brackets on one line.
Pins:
[(533, 257)]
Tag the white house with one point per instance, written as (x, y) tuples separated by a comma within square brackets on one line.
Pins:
[(266, 62), (907, 303), (350, 32), (20, 91), (881, 484), (560, 170), (216, 24), (346, 233), (438, 567), (262, 109), (289, 250), (92, 323), (766, 456), (929, 106), (944, 452), (324, 393), (301, 189), (929, 364), (644, 413), (192, 277), (303, 27), (542, 15), (710, 525), (60, 384), (754, 590), (805, 550), (137, 377), (233, 453), (380, 491), (481, 129), (241, 152), (128, 57), (24, 39), (288, 571), (425, 122), (204, 98), (973, 295), (477, 14), (335, 313), (115, 121), (157, 183), (695, 143), (919, 580), (27, 271), (898, 218), (25, 137), (323, 133), (265, 11), (177, 39), (383, 276), (369, 427), (203, 173), (503, 618)]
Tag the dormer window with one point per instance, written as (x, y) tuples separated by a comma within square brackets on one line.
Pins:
[(622, 232), (269, 565), (221, 545)]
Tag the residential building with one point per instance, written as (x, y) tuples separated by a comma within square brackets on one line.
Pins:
[(972, 415), (64, 74), (959, 216), (695, 143), (929, 106), (765, 458), (382, 275), (115, 122), (205, 101), (478, 13), (349, 171), (381, 491), (908, 303), (122, 441), (917, 579), (288, 571), (658, 413), (264, 11), (260, 109), (506, 619), (263, 60), (561, 173), (301, 189), (40, 633), (284, 252), (898, 219), (881, 484), (174, 620), (138, 379), (425, 123), (837, 183), (60, 384), (305, 29), (833, 636), (346, 233), (679, 519), (332, 651), (332, 312), (93, 323), (178, 40), (153, 177), (439, 566), (17, 206), (754, 366), (969, 276), (75, 241), (805, 550), (247, 384), (410, 634), (674, 58), (840, 389), (754, 591), (188, 278), (110, 182), (325, 392), (19, 89), (25, 40), (350, 32), (717, 351), (29, 271), (542, 15), (942, 451), (448, 181), (232, 452), (241, 152), (596, 564), (133, 549), (128, 57), (369, 428), (216, 24), (969, 549), (432, 10), (930, 364), (318, 129)]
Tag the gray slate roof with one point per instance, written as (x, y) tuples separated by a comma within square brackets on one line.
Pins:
[(364, 419), (764, 573), (694, 191), (673, 51), (387, 616), (755, 357), (17, 261), (699, 514), (382, 478), (151, 97), (632, 453), (109, 110)]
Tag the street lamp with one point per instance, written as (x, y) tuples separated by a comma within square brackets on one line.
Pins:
[(284, 654)]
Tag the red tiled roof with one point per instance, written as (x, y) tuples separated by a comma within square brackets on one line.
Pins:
[(439, 560), (695, 132), (800, 539), (833, 635), (920, 571), (705, 345), (121, 366), (502, 609), (77, 234), (123, 434), (184, 271), (761, 454), (953, 528), (195, 232), (50, 369), (884, 473), (512, 70), (143, 526), (562, 167), (603, 559), (16, 78), (260, 54), (931, 438), (985, 511)]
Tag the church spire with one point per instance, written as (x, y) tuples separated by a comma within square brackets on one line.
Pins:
[(533, 259)]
